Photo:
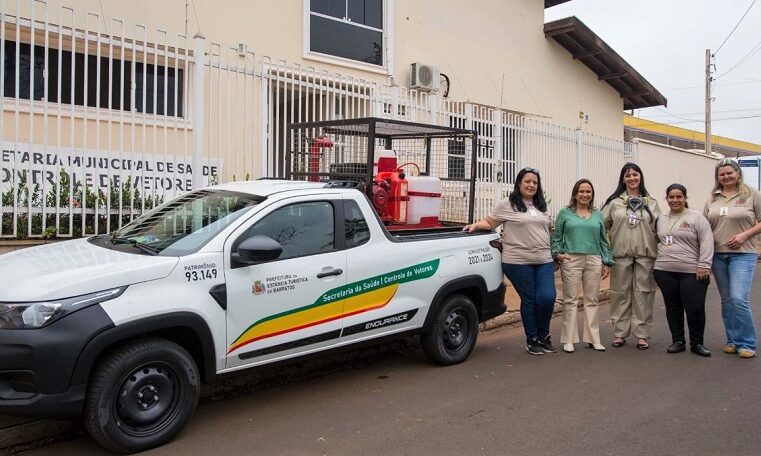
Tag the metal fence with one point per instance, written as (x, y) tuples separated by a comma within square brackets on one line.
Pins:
[(102, 120)]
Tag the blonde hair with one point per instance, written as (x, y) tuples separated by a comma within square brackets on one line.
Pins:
[(744, 190)]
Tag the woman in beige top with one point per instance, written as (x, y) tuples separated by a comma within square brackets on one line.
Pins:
[(734, 212), (526, 259), (685, 253), (630, 214)]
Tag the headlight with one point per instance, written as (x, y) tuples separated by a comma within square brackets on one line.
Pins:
[(29, 315)]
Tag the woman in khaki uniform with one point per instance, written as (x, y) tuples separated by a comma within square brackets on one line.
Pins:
[(630, 214)]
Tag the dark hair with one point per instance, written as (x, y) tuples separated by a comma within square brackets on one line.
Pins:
[(516, 199), (572, 203), (679, 187), (621, 188)]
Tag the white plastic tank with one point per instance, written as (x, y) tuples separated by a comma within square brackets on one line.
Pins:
[(425, 198)]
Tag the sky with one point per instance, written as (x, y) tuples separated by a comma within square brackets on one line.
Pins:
[(666, 41)]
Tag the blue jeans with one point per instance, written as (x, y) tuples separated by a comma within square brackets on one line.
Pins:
[(734, 274), (535, 284)]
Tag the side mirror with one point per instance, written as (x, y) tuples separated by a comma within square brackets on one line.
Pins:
[(257, 249)]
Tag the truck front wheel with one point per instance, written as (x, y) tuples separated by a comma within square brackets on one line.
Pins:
[(141, 395), (454, 331)]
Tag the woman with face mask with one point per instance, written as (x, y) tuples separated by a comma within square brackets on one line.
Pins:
[(630, 214), (526, 259), (685, 252), (734, 212), (580, 245)]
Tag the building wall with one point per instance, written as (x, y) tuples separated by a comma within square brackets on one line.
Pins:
[(494, 52), (665, 165)]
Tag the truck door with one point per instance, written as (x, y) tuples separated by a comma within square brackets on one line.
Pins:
[(290, 305), (376, 269)]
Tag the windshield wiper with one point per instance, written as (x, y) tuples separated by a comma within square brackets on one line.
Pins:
[(138, 245)]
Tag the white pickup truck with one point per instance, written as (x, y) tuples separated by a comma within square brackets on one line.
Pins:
[(123, 328)]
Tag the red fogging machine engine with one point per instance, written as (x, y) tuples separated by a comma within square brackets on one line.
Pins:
[(400, 200), (390, 191)]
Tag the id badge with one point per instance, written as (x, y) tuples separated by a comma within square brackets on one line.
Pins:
[(533, 212), (724, 210), (669, 239)]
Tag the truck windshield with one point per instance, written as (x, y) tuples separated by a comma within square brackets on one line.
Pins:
[(183, 225)]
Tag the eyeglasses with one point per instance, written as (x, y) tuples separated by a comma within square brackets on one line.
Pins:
[(530, 170)]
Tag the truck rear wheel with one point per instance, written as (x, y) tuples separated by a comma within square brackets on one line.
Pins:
[(454, 331), (141, 395)]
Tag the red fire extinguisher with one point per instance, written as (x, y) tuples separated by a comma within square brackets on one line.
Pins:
[(315, 152)]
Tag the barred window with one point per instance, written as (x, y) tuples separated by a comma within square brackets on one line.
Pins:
[(34, 76)]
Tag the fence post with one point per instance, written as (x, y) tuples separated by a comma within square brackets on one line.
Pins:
[(199, 46), (579, 134), (394, 94), (377, 101), (433, 108)]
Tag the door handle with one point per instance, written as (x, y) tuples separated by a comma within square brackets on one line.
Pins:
[(333, 272)]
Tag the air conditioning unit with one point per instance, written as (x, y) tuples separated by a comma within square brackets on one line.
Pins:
[(424, 77)]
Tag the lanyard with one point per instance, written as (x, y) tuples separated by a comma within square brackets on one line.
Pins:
[(675, 221)]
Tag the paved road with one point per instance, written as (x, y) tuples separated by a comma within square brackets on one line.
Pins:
[(502, 401)]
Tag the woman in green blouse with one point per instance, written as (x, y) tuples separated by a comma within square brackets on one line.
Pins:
[(580, 245)]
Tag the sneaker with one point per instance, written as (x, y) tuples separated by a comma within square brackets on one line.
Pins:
[(533, 348), (745, 353), (676, 347), (597, 347), (547, 346), (730, 348), (568, 348)]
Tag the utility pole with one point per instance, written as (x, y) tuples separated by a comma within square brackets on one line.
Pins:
[(708, 102)]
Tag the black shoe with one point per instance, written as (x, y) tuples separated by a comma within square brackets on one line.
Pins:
[(700, 350), (547, 346), (534, 348), (676, 347), (618, 342)]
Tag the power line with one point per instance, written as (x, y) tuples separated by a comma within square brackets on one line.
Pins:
[(750, 81), (750, 54), (735, 28), (715, 120), (696, 113)]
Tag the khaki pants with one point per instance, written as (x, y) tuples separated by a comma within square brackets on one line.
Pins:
[(632, 289), (581, 283)]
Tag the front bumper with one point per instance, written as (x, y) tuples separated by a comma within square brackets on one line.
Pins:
[(494, 304), (36, 365)]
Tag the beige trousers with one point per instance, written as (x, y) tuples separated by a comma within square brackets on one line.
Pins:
[(581, 283), (632, 289)]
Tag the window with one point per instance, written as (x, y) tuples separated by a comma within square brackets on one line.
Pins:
[(351, 29), (301, 229), (456, 159), (355, 225), (121, 76)]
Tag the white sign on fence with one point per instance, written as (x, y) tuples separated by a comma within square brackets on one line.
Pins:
[(101, 169)]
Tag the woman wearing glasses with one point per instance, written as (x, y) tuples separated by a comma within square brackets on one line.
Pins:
[(630, 214), (526, 259), (580, 245), (734, 212)]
